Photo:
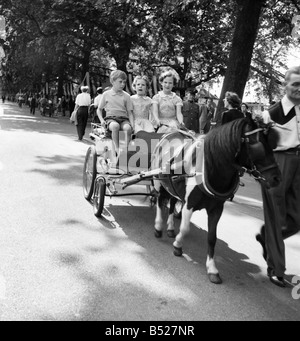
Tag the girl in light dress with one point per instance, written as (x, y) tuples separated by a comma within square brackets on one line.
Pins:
[(167, 106), (142, 105)]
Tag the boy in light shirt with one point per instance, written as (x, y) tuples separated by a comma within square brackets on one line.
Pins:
[(118, 106)]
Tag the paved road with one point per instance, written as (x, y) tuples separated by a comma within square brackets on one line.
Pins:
[(58, 262)]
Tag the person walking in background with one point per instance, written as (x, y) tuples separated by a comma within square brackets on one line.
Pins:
[(191, 112), (63, 105), (214, 120), (71, 105), (29, 100), (97, 99), (281, 204), (95, 105), (58, 107), (20, 101), (82, 105), (232, 103), (211, 107), (204, 119), (245, 110), (43, 104), (33, 104), (50, 107)]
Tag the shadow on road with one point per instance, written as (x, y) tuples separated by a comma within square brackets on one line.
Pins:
[(166, 287), (15, 118), (195, 246), (62, 168)]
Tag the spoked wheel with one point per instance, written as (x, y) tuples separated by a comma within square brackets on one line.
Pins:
[(178, 209), (99, 196), (89, 172)]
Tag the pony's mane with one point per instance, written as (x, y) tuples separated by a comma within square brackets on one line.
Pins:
[(222, 144)]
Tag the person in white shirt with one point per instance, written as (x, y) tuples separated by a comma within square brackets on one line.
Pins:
[(82, 105), (282, 204)]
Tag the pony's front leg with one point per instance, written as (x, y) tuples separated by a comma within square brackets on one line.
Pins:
[(158, 219), (214, 216), (170, 223), (183, 230)]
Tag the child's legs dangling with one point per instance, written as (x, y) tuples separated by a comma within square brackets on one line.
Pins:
[(126, 127), (114, 127)]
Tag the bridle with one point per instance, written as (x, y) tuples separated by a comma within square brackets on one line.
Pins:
[(253, 170)]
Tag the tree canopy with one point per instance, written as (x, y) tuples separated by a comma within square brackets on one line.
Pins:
[(60, 40)]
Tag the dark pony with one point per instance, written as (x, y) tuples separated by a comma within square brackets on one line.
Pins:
[(230, 150), (223, 143)]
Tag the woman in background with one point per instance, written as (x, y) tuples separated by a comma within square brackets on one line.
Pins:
[(232, 103)]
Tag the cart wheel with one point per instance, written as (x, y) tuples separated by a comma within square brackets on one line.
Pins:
[(99, 196), (89, 173), (178, 210)]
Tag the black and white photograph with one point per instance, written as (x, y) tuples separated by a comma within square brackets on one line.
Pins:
[(149, 163)]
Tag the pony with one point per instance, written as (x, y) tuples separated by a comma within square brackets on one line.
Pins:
[(209, 173)]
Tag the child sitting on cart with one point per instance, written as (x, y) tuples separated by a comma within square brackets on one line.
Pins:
[(118, 106), (167, 106), (142, 105)]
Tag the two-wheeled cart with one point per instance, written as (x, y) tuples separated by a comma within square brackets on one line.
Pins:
[(106, 174)]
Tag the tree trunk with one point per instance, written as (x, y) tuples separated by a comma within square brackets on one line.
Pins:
[(121, 56), (61, 78), (239, 62), (86, 62)]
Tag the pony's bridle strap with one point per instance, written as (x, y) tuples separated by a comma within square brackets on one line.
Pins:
[(257, 174), (258, 130)]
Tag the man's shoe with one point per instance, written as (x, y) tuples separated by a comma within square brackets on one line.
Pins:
[(279, 281), (261, 241)]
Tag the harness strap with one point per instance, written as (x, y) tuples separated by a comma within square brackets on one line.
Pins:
[(206, 186), (258, 130)]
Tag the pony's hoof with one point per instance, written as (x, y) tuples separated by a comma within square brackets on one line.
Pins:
[(178, 251), (171, 234), (215, 278), (158, 234)]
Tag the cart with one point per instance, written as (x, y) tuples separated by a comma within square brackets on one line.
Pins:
[(106, 175)]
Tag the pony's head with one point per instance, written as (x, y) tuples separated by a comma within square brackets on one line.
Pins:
[(255, 156)]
